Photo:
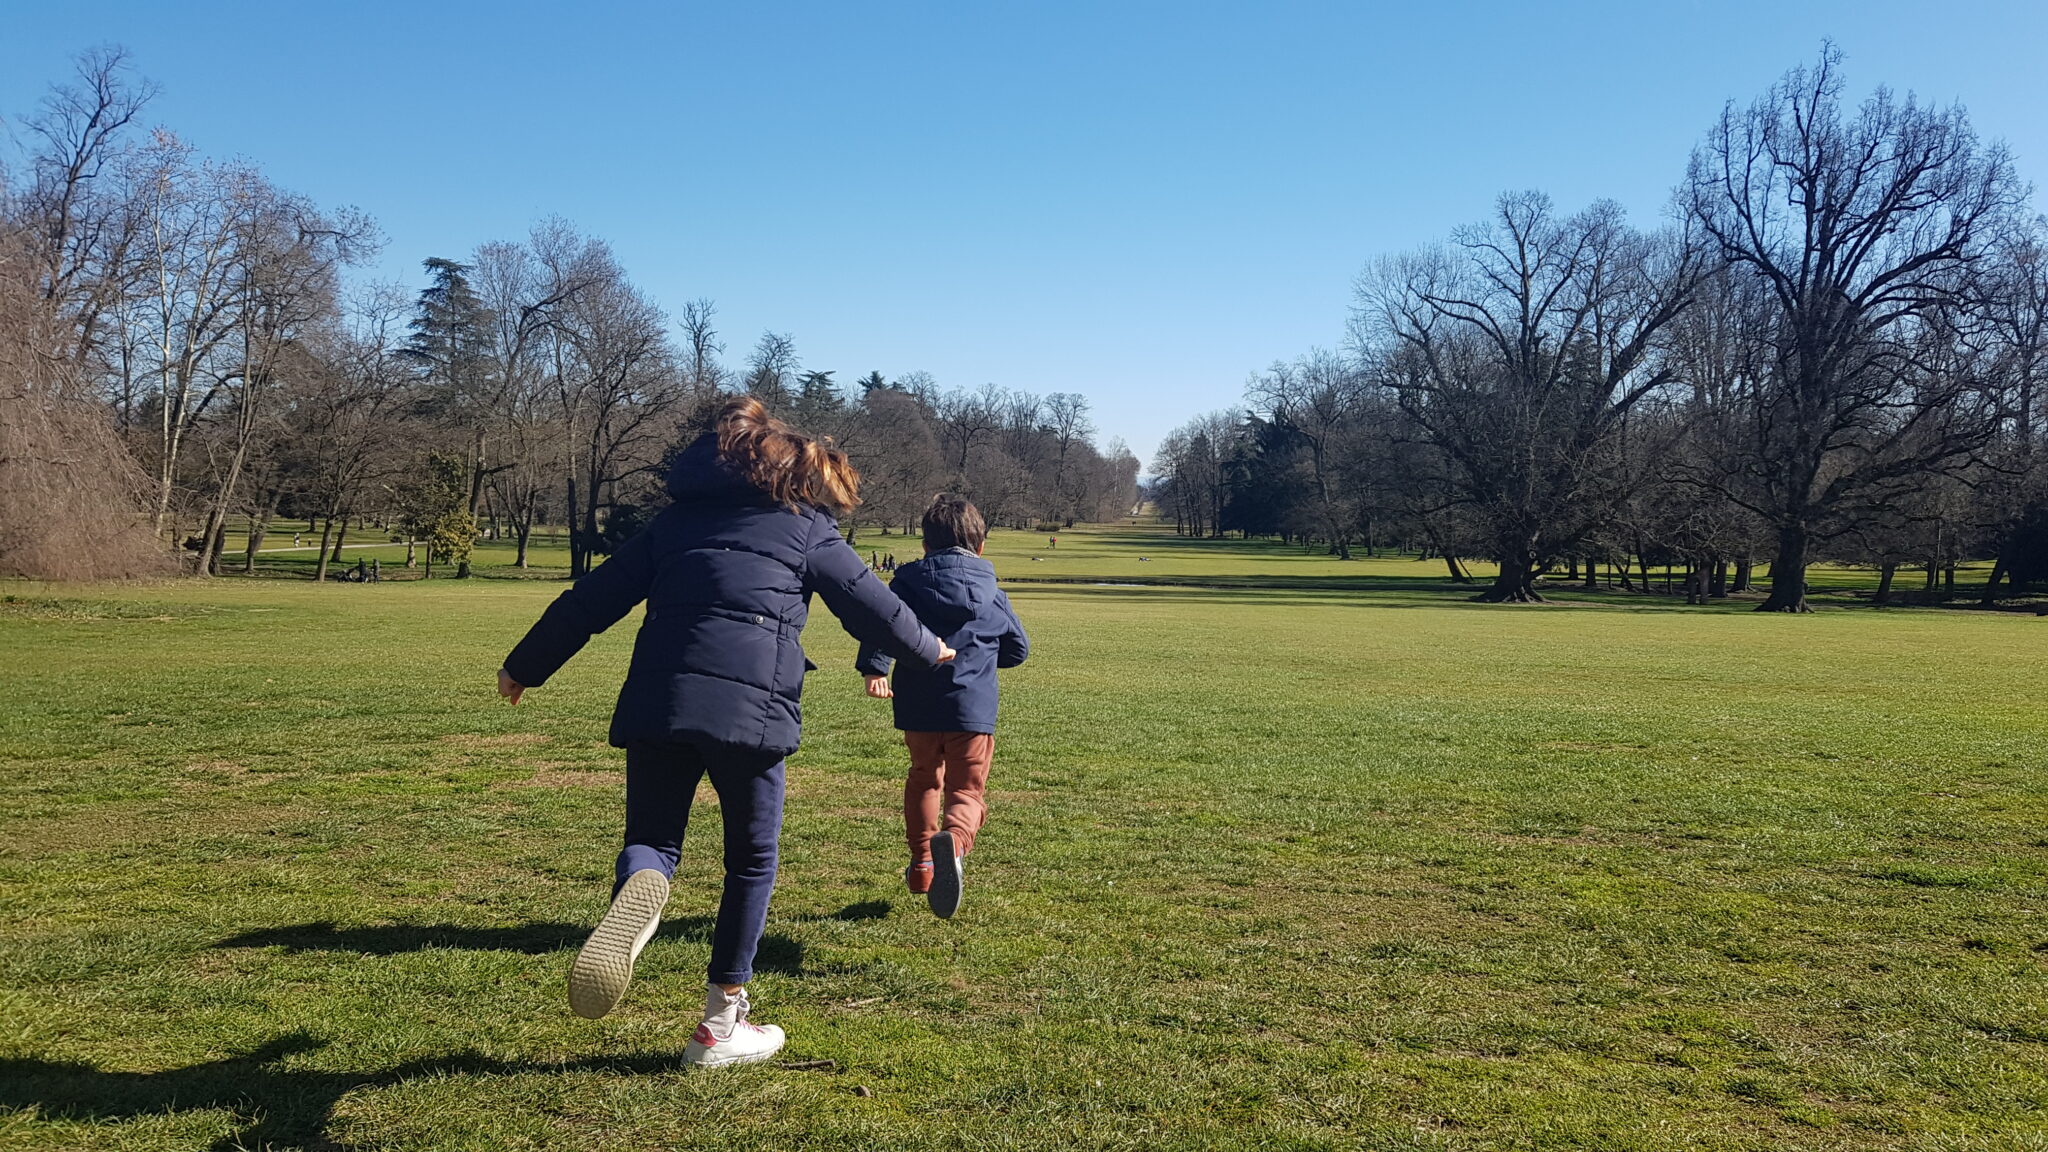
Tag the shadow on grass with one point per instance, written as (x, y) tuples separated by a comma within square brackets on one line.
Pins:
[(1387, 593), (778, 953), (863, 910), (275, 1106)]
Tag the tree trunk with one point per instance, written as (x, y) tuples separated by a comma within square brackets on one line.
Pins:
[(1885, 572), (320, 568), (412, 547), (339, 537), (261, 528), (1592, 573), (1997, 573), (1717, 589), (1516, 582), (1788, 574), (578, 548), (1745, 572)]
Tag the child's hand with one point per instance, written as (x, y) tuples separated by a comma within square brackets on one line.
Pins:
[(945, 653), (878, 687), (509, 688)]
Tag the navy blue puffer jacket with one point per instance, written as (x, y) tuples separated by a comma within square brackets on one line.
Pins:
[(954, 594), (727, 575)]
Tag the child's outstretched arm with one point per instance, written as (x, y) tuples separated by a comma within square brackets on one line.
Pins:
[(587, 607), (1014, 645), (865, 606)]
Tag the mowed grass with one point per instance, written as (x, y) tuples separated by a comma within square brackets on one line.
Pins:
[(1139, 552), (1285, 869)]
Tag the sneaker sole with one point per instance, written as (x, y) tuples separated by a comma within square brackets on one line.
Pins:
[(604, 967), (946, 884)]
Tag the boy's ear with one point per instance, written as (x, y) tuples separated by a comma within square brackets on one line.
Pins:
[(979, 547)]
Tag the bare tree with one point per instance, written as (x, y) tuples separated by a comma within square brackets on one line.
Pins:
[(191, 214), (701, 347), (1517, 353), (349, 426), (969, 419), (1066, 419), (772, 369), (82, 234), (617, 384), (1862, 229), (2012, 496), (1316, 400), (286, 256)]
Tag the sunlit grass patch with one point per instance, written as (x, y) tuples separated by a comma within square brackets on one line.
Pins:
[(1322, 867)]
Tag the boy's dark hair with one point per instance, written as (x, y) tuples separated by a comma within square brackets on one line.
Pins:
[(951, 521)]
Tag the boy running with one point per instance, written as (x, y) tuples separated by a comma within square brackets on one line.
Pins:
[(948, 713)]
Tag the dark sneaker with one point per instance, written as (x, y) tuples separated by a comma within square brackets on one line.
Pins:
[(604, 967), (946, 879)]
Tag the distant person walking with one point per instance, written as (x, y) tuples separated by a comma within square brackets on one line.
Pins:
[(727, 571)]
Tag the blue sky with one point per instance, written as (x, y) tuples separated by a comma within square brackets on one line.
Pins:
[(1141, 202)]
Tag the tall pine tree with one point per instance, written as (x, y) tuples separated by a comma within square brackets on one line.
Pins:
[(450, 344)]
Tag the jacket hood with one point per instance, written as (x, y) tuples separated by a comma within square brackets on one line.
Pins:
[(700, 473), (950, 588)]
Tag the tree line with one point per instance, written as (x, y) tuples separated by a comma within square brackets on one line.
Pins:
[(1830, 351), (181, 348)]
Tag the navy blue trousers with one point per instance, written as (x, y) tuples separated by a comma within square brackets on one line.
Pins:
[(661, 781)]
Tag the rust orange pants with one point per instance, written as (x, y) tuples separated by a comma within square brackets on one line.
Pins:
[(949, 775)]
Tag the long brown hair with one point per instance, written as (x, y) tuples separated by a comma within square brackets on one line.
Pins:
[(793, 468)]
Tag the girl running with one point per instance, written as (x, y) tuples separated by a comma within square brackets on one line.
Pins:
[(727, 572)]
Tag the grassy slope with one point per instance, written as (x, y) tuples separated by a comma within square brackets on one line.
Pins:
[(1285, 869)]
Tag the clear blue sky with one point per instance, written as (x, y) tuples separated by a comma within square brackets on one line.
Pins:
[(1141, 202)]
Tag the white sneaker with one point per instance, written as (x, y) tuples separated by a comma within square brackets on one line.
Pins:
[(726, 1037), (604, 967), (947, 881)]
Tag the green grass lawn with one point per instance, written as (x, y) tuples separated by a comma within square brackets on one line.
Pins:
[(1126, 553), (1296, 868)]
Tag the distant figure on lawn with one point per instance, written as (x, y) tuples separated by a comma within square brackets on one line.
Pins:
[(948, 712), (727, 572)]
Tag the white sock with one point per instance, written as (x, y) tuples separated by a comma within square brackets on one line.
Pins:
[(723, 1011)]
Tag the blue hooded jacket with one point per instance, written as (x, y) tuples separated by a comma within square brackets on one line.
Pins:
[(727, 574), (954, 594)]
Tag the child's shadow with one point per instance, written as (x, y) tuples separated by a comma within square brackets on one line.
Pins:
[(778, 953), (275, 1106)]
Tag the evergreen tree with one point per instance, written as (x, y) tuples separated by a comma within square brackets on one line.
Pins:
[(818, 403), (450, 344)]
